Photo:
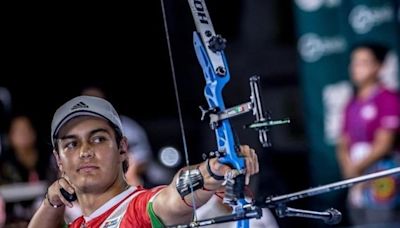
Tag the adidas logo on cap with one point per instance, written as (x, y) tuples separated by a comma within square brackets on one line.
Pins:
[(83, 105), (79, 105)]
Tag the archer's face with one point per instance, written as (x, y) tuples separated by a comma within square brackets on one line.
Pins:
[(364, 67), (89, 155)]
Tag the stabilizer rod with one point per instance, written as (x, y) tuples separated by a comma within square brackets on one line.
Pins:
[(273, 202)]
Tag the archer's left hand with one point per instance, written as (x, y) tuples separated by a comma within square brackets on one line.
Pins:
[(250, 157)]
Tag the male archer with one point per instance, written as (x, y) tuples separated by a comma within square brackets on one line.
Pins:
[(91, 153)]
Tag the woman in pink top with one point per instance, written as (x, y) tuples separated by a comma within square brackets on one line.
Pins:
[(368, 140)]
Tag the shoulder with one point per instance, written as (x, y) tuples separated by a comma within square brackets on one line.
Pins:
[(386, 93), (146, 194), (388, 99), (137, 212), (141, 197)]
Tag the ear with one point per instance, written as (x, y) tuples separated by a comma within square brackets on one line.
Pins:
[(123, 149), (59, 164)]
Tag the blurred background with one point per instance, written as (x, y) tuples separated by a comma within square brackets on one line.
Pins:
[(300, 50)]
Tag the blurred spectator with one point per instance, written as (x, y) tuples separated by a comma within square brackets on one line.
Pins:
[(368, 140), (24, 162)]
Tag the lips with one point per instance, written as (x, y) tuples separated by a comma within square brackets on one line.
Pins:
[(87, 168)]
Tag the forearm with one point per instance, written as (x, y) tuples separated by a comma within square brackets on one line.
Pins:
[(47, 216), (175, 203), (171, 207), (343, 159), (343, 156), (210, 186), (382, 146)]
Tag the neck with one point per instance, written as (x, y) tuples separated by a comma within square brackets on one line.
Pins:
[(90, 202), (366, 90)]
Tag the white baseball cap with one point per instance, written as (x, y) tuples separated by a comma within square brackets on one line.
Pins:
[(83, 106)]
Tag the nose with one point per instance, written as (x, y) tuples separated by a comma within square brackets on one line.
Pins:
[(86, 151)]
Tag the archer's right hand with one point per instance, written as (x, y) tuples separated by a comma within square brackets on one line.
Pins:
[(54, 194)]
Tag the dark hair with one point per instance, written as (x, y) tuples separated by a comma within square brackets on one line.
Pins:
[(378, 50), (118, 137)]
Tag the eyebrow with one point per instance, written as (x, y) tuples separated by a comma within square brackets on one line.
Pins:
[(92, 132)]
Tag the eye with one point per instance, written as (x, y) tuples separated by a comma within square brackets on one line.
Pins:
[(98, 139), (70, 145)]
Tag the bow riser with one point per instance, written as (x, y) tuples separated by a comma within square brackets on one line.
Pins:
[(213, 94)]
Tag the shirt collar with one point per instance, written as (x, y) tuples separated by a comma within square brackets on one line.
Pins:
[(110, 203)]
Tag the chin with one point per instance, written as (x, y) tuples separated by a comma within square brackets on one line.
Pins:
[(89, 184)]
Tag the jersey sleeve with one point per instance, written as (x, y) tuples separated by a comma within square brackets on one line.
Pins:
[(139, 208), (389, 112)]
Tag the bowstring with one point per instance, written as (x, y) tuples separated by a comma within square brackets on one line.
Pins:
[(182, 129)]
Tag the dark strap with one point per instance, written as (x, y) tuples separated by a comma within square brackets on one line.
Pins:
[(213, 175)]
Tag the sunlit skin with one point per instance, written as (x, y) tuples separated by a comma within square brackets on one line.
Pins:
[(87, 156)]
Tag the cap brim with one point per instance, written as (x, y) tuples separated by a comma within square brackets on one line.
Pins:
[(74, 115)]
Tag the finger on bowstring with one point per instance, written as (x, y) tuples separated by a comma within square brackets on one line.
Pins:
[(63, 200), (63, 183)]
